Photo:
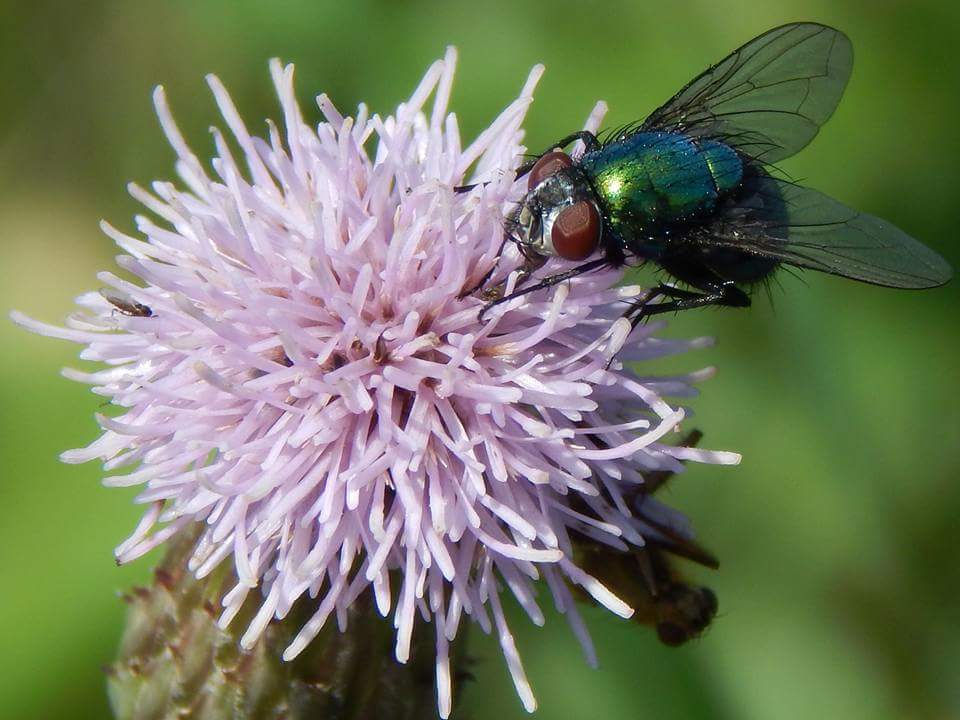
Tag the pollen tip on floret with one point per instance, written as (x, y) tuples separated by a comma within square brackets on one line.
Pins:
[(619, 333), (18, 318), (72, 457), (702, 374), (534, 78)]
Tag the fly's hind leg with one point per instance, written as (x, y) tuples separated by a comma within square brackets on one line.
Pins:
[(725, 294)]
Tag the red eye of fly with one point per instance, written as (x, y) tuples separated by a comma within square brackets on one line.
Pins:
[(549, 164), (576, 231)]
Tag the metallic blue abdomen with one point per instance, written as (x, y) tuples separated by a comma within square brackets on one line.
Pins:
[(648, 182)]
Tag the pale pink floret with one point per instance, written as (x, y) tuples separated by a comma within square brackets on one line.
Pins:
[(311, 387)]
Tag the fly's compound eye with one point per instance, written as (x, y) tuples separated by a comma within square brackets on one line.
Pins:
[(576, 231), (549, 164)]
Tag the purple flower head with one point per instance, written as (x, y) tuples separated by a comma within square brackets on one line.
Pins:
[(300, 374)]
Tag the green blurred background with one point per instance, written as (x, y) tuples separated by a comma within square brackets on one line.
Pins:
[(839, 587)]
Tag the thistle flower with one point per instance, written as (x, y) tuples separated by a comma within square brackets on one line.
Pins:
[(301, 374)]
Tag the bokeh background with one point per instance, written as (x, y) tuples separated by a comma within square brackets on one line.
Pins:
[(839, 587)]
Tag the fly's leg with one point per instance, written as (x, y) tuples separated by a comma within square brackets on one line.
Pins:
[(487, 275), (589, 140), (545, 283), (724, 294), (531, 262)]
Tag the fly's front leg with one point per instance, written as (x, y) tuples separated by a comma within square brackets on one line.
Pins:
[(546, 282), (531, 263), (589, 140), (487, 275)]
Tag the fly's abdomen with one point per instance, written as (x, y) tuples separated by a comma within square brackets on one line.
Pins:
[(650, 181)]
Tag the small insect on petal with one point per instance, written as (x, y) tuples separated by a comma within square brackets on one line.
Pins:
[(126, 305), (549, 164), (576, 231)]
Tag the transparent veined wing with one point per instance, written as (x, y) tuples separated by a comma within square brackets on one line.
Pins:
[(807, 229), (768, 98)]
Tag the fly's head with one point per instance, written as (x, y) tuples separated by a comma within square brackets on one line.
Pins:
[(558, 217)]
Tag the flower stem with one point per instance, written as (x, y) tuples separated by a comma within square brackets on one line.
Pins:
[(175, 662)]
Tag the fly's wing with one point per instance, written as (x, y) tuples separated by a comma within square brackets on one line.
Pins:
[(767, 99), (802, 227)]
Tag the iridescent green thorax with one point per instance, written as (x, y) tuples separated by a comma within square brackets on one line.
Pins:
[(650, 181)]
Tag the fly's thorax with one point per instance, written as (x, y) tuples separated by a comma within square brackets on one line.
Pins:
[(651, 182), (559, 217), (723, 163)]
